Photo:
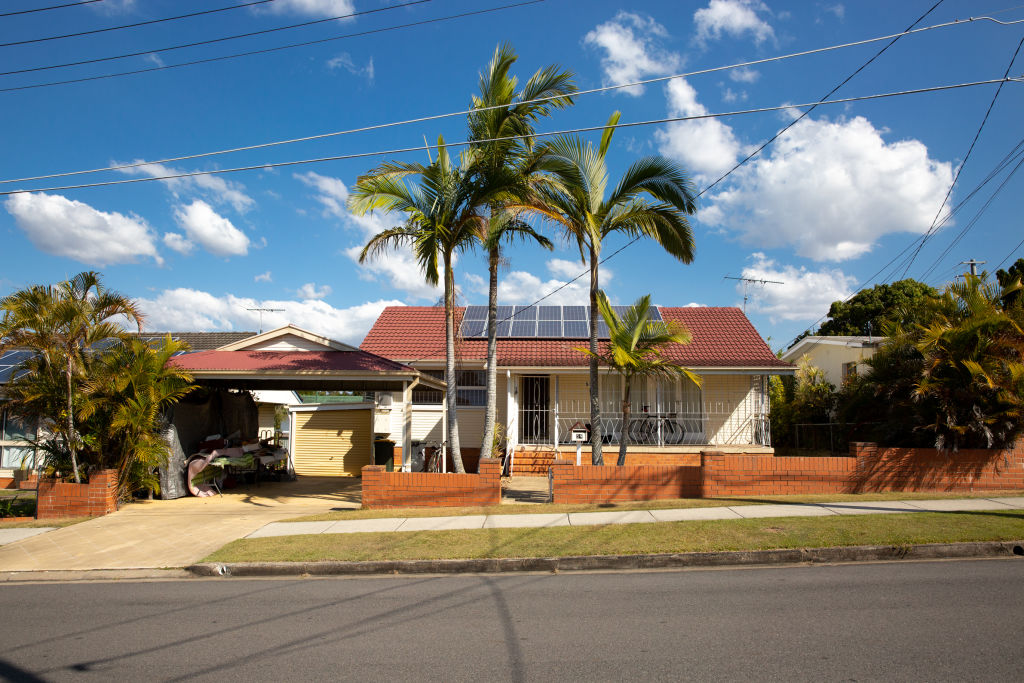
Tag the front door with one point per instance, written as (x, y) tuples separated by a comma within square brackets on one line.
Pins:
[(534, 406)]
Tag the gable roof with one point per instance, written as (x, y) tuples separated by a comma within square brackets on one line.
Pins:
[(794, 352), (722, 338), (283, 332)]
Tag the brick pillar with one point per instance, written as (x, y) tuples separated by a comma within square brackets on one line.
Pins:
[(373, 485)]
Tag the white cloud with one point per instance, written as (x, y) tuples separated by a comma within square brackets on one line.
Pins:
[(728, 95), (263, 277), (64, 227), (214, 232), (838, 10), (806, 295), (631, 50), (211, 186), (332, 193), (475, 283), (311, 291), (345, 61), (744, 74), (831, 189), (522, 287), (313, 8), (179, 242), (733, 17), (184, 309), (705, 147)]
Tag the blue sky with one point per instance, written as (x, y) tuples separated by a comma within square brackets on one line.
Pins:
[(823, 209)]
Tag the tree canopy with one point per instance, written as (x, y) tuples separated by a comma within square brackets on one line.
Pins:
[(868, 310), (1015, 273)]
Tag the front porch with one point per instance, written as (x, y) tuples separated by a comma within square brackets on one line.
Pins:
[(668, 417)]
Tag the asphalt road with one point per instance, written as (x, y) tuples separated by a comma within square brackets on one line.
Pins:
[(960, 620)]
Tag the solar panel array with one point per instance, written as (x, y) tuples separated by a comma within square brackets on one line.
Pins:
[(538, 322), (10, 363)]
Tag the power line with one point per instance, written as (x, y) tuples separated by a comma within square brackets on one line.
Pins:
[(960, 168), (464, 143), (434, 117), (135, 25), (45, 9), (1010, 255), (268, 50), (456, 16), (211, 41)]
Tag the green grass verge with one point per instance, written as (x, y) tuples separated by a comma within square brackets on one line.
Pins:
[(534, 508), (634, 539)]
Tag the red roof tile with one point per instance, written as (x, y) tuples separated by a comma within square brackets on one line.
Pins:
[(722, 337), (288, 361)]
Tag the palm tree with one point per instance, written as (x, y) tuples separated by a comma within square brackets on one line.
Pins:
[(651, 200), (635, 344), (133, 386), (64, 323), (502, 127), (973, 364), (443, 217)]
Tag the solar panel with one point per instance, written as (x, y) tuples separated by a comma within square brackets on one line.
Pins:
[(551, 322), (475, 313), (574, 312), (474, 328), (524, 328), (575, 329), (549, 328)]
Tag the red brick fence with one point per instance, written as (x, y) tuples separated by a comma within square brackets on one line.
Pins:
[(867, 468), (383, 489), (62, 499)]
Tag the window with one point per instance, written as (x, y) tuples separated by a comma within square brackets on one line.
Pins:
[(14, 451), (849, 370), (472, 389)]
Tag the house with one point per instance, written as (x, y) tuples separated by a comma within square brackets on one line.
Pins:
[(543, 390), (837, 357)]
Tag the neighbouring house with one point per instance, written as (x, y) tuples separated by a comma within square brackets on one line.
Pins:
[(325, 439), (837, 357), (543, 382), (17, 454)]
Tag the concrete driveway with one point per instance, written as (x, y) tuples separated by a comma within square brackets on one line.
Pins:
[(175, 533)]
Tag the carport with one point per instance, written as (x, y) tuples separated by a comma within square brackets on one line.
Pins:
[(290, 358)]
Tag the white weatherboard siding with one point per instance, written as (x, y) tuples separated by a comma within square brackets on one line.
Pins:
[(332, 443), (287, 342), (729, 402)]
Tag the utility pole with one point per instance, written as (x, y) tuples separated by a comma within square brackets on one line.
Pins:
[(973, 264), (261, 312), (747, 281)]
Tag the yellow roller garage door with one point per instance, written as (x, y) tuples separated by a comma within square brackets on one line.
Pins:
[(332, 443)]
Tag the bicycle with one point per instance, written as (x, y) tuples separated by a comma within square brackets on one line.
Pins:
[(644, 430), (433, 461)]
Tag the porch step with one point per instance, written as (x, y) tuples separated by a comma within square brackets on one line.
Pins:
[(532, 463)]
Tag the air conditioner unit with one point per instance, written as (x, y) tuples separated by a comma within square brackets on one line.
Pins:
[(384, 399)]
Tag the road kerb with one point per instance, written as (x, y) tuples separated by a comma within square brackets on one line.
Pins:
[(928, 551)]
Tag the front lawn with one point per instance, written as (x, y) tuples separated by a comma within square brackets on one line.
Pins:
[(633, 539), (675, 503)]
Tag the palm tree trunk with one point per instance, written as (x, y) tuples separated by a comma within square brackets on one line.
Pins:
[(596, 457), (71, 423), (626, 412), (451, 392), (491, 411)]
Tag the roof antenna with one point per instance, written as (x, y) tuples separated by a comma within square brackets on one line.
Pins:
[(261, 312), (746, 286)]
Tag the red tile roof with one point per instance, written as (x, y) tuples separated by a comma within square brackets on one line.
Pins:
[(288, 361), (722, 337)]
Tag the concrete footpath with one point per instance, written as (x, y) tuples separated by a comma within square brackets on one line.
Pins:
[(522, 521)]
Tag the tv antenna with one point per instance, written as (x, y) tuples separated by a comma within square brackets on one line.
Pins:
[(261, 311), (747, 281)]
